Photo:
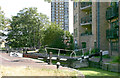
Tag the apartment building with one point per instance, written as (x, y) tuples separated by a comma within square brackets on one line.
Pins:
[(60, 13), (92, 25), (112, 34)]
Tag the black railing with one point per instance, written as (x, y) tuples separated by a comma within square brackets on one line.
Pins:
[(87, 19), (84, 4), (112, 33), (112, 12), (86, 33)]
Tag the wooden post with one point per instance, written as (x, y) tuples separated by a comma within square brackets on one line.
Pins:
[(50, 60), (90, 51), (82, 52), (46, 51), (59, 52)]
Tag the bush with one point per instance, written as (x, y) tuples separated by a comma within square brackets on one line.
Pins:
[(106, 56), (79, 53), (95, 50), (86, 53), (116, 59)]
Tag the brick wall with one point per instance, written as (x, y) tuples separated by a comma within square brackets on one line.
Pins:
[(104, 25)]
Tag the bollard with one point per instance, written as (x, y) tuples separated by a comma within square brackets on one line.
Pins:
[(58, 65), (58, 59), (50, 58)]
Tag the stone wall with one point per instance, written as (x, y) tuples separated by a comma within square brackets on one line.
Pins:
[(76, 63), (73, 63), (110, 67)]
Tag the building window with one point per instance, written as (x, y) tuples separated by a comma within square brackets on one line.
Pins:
[(74, 5), (75, 32), (83, 44), (95, 45), (74, 19)]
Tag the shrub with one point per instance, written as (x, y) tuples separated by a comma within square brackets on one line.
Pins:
[(116, 59), (95, 50), (86, 53)]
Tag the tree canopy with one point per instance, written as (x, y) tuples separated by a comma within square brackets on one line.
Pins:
[(56, 37), (27, 28), (32, 29), (3, 20)]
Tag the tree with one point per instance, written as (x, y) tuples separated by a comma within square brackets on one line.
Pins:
[(53, 36), (68, 0), (56, 37), (69, 40), (27, 28), (4, 22)]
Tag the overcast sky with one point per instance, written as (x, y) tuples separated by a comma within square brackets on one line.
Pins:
[(12, 7)]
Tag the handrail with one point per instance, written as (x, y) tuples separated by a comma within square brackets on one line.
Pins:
[(58, 50), (72, 51)]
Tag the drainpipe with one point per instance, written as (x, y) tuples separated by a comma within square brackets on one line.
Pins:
[(119, 26), (98, 24)]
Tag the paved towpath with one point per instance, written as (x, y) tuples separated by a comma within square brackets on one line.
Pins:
[(6, 60)]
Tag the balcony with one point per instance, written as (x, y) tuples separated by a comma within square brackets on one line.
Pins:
[(112, 12), (112, 33), (86, 20), (86, 33), (86, 6)]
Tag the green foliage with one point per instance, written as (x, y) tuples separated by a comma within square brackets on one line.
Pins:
[(53, 36), (48, 1), (86, 53), (116, 59), (97, 72), (95, 50), (3, 20), (69, 41), (56, 37), (106, 56), (27, 28)]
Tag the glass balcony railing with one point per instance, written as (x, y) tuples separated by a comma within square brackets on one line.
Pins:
[(86, 20), (85, 4), (112, 12), (112, 33)]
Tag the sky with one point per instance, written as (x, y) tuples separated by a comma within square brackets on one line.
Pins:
[(12, 7)]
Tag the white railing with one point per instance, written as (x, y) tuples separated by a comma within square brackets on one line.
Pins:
[(72, 51)]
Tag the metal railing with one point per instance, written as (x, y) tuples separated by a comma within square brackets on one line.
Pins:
[(112, 33), (112, 12), (84, 4), (73, 52), (85, 34), (87, 19)]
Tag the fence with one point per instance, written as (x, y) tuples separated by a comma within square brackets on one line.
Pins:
[(73, 52)]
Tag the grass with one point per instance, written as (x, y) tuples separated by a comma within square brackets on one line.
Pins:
[(97, 72), (104, 56), (30, 71)]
